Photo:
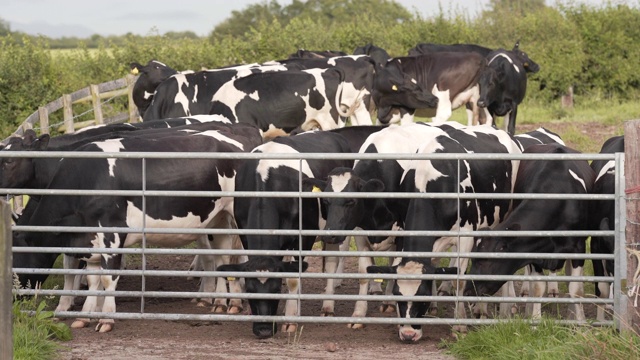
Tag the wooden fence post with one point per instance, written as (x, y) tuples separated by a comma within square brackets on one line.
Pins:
[(632, 226), (97, 104), (133, 109), (6, 283), (43, 113), (67, 113)]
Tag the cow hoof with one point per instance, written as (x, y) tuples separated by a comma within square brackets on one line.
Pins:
[(514, 310), (462, 329), (444, 293), (524, 294), (219, 309), (480, 315), (80, 323), (355, 326), (553, 294), (104, 326), (202, 303), (234, 310), (387, 308), (376, 293), (432, 311), (327, 313), (289, 328)]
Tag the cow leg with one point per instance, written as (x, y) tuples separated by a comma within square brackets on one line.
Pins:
[(466, 245), (488, 119), (291, 306), (93, 281), (206, 263), (552, 286), (508, 309), (360, 309), (602, 288), (71, 282), (330, 267), (576, 288), (536, 289), (109, 283), (226, 242), (343, 247), (510, 120)]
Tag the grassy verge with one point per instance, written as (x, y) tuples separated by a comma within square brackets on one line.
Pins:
[(35, 331), (517, 339)]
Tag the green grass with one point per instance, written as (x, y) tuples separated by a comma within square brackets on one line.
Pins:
[(36, 336), (517, 339)]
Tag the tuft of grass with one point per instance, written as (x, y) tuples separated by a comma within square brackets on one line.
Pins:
[(518, 339), (35, 331)]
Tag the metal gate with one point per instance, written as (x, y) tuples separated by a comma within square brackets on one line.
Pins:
[(144, 294)]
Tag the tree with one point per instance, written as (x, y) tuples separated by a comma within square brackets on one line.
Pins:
[(519, 7), (324, 11), (5, 27)]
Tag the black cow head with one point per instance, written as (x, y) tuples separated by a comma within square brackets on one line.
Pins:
[(409, 287), (264, 285), (349, 213), (378, 54), (484, 266), (529, 65), (19, 172), (151, 75), (392, 87)]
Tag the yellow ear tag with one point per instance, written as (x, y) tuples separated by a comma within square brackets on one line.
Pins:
[(394, 88), (377, 280), (231, 278), (134, 71), (316, 189)]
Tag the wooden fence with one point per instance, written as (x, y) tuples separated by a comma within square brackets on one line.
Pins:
[(92, 93)]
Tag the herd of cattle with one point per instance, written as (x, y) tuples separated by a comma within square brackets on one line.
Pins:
[(232, 110)]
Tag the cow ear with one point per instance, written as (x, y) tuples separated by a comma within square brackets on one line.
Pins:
[(373, 185), (517, 45), (293, 266), (446, 270), (382, 269), (135, 68), (604, 224), (313, 184), (32, 142)]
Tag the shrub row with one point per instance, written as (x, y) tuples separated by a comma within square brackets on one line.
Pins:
[(592, 49)]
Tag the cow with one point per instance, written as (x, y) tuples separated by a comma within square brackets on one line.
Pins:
[(602, 216), (536, 214), (283, 213), (309, 54), (191, 94), (24, 172), (450, 77), (503, 85), (368, 86), (151, 75), (430, 48), (442, 214), (126, 211)]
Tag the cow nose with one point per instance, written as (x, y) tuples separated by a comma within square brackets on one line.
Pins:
[(482, 104), (409, 335), (330, 239)]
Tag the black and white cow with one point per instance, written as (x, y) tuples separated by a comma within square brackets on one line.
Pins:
[(126, 211), (451, 77), (36, 173), (539, 177), (503, 84), (442, 214), (287, 100), (602, 216), (283, 213), (191, 93), (368, 86), (430, 48), (151, 75)]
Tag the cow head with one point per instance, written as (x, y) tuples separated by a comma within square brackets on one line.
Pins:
[(491, 85), (410, 287), (378, 54), (349, 213), (392, 87), (19, 172), (529, 65), (484, 266), (264, 285), (151, 75)]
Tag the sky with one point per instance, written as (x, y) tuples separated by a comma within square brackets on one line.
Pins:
[(83, 18)]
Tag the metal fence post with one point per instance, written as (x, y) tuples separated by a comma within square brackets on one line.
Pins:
[(6, 283)]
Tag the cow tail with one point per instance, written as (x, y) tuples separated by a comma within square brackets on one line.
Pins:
[(339, 91)]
